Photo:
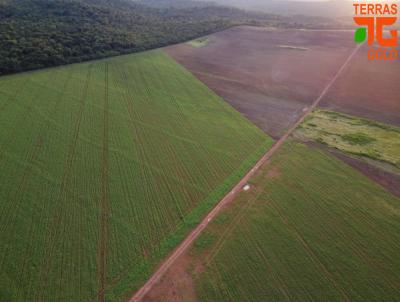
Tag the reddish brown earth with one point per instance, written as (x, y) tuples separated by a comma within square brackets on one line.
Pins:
[(271, 85), (177, 285), (368, 88)]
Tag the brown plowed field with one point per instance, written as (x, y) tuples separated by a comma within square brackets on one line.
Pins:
[(268, 75), (271, 75), (369, 89)]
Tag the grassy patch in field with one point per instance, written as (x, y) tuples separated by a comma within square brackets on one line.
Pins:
[(204, 241), (200, 42), (105, 167), (353, 135), (357, 138), (316, 231)]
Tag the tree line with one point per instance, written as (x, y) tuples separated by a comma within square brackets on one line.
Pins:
[(43, 33)]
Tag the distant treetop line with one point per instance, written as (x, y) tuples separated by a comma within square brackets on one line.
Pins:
[(42, 33)]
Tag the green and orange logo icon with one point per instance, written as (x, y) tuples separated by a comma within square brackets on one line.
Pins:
[(377, 21), (375, 25)]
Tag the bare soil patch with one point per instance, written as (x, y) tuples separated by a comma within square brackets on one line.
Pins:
[(274, 172), (269, 84), (176, 285), (369, 89)]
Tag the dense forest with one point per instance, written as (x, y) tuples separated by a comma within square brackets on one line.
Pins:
[(42, 33)]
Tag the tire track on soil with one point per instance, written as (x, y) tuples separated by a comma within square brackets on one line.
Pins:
[(322, 267), (56, 220), (102, 248)]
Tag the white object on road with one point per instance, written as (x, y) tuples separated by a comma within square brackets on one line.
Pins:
[(246, 187)]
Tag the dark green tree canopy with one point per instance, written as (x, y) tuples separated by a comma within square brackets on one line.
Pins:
[(42, 33)]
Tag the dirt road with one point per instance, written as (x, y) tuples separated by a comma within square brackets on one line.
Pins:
[(232, 194)]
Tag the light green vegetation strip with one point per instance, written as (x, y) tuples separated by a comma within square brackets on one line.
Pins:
[(354, 135), (105, 167), (290, 47), (310, 229), (201, 42)]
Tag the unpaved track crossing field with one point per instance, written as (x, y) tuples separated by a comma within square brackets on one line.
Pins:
[(369, 89), (184, 246), (311, 229)]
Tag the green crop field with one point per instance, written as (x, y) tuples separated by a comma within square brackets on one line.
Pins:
[(310, 229), (105, 166), (357, 136)]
